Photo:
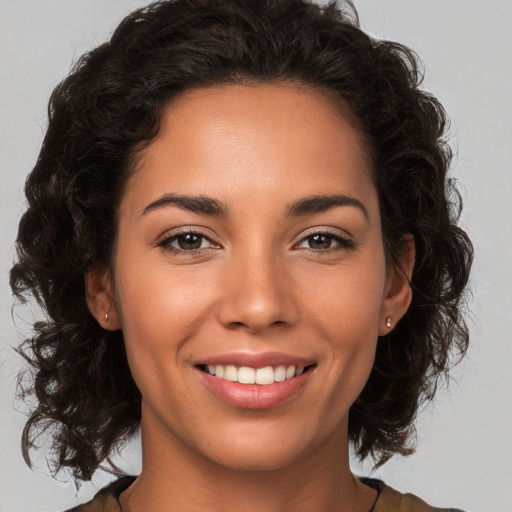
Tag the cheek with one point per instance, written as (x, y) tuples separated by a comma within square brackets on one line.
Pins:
[(159, 312), (347, 318), (156, 303), (347, 299)]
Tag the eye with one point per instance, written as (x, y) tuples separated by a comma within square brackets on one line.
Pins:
[(189, 241), (325, 242)]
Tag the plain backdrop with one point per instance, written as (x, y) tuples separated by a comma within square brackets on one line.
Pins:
[(464, 457)]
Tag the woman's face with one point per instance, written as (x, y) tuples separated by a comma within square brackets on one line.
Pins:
[(250, 239)]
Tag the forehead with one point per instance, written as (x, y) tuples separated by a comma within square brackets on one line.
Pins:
[(264, 140)]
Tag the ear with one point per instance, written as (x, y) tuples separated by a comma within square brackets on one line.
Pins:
[(398, 293), (100, 298)]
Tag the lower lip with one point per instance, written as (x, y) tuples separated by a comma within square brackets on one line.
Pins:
[(255, 396)]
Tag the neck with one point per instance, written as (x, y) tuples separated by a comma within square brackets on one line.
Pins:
[(175, 477)]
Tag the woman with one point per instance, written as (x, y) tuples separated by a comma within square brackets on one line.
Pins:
[(242, 233)]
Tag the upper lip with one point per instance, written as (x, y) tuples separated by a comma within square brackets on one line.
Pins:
[(255, 360)]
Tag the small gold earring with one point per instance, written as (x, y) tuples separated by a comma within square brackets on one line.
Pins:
[(388, 321), (106, 318)]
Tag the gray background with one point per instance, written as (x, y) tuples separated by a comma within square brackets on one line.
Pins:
[(465, 437)]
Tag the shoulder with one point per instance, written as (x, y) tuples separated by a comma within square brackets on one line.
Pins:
[(106, 500), (390, 500)]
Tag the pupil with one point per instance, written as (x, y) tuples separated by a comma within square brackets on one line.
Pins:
[(319, 241), (189, 241)]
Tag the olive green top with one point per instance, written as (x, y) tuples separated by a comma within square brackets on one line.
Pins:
[(389, 500)]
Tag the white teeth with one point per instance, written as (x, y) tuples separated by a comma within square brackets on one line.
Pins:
[(262, 376), (246, 375), (280, 374), (265, 375), (231, 373)]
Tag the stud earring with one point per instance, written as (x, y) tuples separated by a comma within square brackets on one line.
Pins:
[(388, 321), (106, 318)]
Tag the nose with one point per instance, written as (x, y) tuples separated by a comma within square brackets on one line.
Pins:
[(258, 293)]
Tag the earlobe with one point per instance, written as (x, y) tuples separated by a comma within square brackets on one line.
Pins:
[(100, 298), (398, 293)]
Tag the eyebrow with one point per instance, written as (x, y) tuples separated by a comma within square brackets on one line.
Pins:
[(197, 204), (322, 203), (209, 206)]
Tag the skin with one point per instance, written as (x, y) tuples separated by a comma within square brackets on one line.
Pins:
[(257, 284)]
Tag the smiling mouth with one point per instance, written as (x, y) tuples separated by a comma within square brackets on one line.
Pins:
[(261, 376)]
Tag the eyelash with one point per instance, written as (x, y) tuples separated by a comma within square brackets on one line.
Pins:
[(344, 243), (166, 242)]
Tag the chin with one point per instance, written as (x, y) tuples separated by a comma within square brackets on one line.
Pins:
[(256, 460), (249, 452)]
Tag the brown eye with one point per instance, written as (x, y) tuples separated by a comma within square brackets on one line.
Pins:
[(325, 242), (320, 241), (189, 241)]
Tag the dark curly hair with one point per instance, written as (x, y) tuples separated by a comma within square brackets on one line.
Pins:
[(109, 107)]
